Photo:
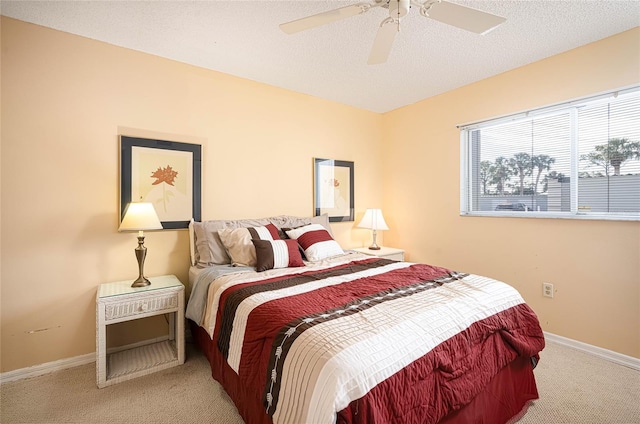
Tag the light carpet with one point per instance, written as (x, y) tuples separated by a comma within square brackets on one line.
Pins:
[(575, 388)]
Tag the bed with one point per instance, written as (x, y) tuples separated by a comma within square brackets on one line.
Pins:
[(298, 330)]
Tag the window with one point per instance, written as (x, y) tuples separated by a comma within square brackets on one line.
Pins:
[(577, 159)]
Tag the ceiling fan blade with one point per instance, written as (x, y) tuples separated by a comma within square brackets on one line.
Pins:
[(383, 42), (324, 18), (464, 17)]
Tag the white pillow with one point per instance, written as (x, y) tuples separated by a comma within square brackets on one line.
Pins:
[(316, 242)]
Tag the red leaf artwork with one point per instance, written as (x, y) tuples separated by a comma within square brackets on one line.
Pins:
[(164, 175)]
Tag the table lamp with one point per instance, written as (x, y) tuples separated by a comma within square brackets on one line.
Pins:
[(373, 220), (139, 217)]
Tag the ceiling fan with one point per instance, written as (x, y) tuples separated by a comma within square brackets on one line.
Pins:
[(454, 14)]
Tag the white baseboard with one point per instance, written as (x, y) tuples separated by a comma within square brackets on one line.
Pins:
[(49, 367), (609, 355), (63, 364)]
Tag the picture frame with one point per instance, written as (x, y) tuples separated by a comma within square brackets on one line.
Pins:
[(333, 189), (164, 173)]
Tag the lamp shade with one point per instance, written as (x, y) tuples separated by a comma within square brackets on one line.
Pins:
[(139, 217), (374, 220)]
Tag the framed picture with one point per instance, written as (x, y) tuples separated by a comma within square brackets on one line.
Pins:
[(164, 173), (333, 189)]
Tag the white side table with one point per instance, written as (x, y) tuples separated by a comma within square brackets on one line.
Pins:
[(384, 252), (118, 302)]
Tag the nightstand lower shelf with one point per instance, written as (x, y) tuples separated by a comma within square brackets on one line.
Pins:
[(141, 361)]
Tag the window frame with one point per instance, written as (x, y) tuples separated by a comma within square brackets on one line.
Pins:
[(466, 160)]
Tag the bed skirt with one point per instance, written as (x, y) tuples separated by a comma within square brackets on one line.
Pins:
[(504, 400)]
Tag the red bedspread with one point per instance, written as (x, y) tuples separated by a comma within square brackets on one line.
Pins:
[(368, 340)]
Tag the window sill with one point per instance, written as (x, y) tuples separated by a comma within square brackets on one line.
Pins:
[(551, 215)]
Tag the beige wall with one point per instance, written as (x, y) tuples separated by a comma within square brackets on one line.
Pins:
[(594, 265), (65, 99)]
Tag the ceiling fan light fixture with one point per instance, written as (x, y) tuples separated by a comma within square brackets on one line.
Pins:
[(399, 8)]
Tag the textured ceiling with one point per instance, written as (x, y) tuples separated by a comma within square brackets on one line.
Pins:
[(242, 38)]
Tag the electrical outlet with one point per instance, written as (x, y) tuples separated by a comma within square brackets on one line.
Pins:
[(547, 289)]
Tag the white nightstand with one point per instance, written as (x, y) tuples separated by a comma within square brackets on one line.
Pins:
[(384, 252), (118, 302)]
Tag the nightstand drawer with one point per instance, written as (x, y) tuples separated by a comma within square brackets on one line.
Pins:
[(148, 304)]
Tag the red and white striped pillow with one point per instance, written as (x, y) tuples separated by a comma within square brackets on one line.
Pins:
[(277, 254), (316, 242)]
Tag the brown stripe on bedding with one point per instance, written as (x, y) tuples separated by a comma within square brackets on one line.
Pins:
[(289, 333), (233, 300)]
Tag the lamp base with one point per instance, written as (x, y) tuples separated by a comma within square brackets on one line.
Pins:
[(141, 282), (374, 245), (141, 253)]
